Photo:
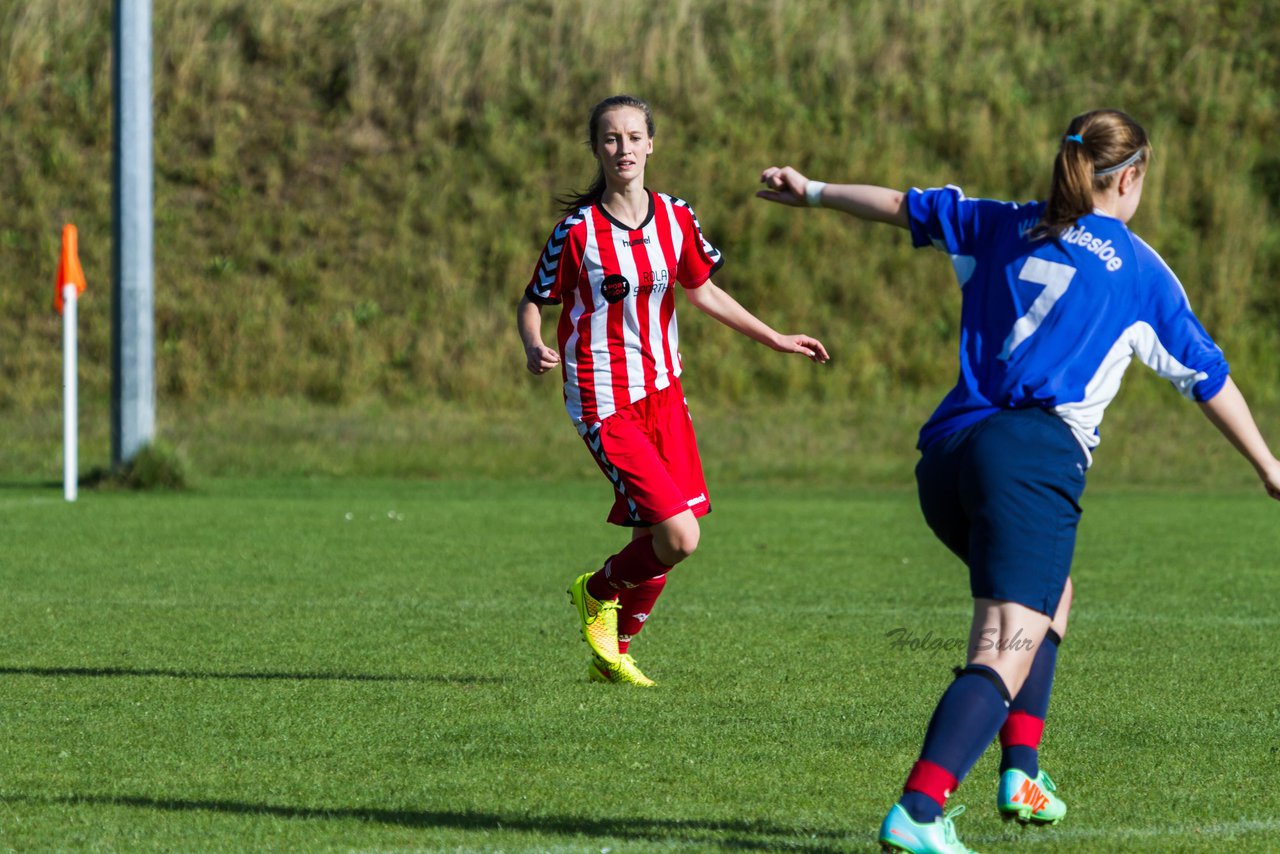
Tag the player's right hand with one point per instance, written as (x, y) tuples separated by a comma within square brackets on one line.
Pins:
[(786, 186), (540, 358), (1271, 478)]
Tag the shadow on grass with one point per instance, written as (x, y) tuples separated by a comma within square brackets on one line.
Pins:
[(95, 672), (725, 835)]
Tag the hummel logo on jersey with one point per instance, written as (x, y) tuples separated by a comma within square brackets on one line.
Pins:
[(1086, 241), (639, 241), (615, 288)]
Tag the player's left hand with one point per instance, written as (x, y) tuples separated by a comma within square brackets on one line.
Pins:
[(786, 186), (804, 344)]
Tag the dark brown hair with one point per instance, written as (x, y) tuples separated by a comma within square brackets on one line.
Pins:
[(574, 200), (1097, 146)]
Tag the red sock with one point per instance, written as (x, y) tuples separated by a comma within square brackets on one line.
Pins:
[(931, 780), (1020, 743), (628, 568), (1021, 730), (635, 605)]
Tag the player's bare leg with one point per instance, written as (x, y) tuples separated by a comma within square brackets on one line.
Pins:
[(676, 538), (1004, 637), (1025, 792), (642, 565), (1059, 624)]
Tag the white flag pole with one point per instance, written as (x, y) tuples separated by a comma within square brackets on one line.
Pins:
[(69, 403)]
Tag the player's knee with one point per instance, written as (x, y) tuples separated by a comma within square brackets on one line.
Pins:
[(678, 543), (688, 543), (683, 546)]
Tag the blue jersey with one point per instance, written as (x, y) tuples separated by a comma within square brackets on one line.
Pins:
[(1055, 323)]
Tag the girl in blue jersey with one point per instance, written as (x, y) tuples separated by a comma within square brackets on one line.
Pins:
[(1058, 298)]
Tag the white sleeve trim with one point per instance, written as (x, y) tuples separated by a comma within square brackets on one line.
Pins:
[(1141, 340), (1153, 354)]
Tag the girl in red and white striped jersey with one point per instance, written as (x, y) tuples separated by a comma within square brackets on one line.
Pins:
[(613, 263)]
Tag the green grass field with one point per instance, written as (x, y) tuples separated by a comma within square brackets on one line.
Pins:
[(371, 665), (352, 634)]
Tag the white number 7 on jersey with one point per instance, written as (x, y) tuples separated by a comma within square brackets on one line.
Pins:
[(1056, 278)]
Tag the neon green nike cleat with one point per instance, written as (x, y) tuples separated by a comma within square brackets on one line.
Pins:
[(625, 673), (899, 833), (599, 621), (1028, 800)]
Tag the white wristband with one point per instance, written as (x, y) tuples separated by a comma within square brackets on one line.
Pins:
[(813, 193)]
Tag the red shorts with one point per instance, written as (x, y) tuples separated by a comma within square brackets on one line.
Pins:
[(650, 455)]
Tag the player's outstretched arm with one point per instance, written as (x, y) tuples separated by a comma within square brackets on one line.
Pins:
[(788, 186), (539, 358), (712, 301), (1230, 414)]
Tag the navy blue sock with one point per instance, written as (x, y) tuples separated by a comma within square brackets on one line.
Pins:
[(966, 719), (1025, 759), (1028, 710), (920, 807)]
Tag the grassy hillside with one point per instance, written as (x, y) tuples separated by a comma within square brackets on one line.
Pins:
[(350, 195)]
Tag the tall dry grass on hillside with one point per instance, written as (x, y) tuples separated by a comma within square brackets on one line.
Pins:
[(350, 196)]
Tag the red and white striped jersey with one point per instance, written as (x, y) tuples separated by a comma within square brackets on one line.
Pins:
[(617, 332)]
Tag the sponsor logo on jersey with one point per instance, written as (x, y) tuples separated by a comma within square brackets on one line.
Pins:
[(615, 288), (653, 282), (1077, 236)]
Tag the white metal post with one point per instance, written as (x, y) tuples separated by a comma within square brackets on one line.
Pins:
[(133, 391), (70, 407)]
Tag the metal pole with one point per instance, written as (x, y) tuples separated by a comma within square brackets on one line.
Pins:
[(70, 407), (133, 395)]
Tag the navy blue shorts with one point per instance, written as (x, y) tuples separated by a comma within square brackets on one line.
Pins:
[(1004, 495)]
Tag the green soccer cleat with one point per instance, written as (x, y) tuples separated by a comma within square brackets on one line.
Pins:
[(1028, 800), (899, 833), (625, 673), (599, 621)]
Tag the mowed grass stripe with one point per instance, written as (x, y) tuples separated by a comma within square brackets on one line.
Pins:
[(247, 668)]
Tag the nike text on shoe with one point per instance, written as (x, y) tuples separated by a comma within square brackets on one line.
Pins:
[(1029, 800)]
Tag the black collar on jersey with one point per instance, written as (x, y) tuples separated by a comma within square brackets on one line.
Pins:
[(622, 225)]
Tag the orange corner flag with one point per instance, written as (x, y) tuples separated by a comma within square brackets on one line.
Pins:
[(69, 272)]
